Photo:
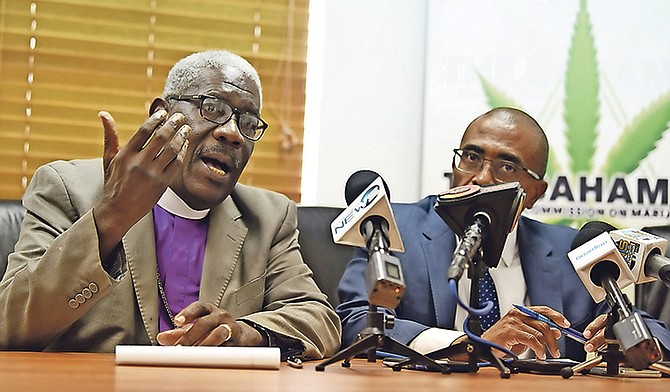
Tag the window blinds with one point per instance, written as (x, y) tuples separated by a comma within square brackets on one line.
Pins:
[(62, 61)]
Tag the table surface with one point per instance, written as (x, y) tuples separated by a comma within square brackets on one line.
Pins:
[(36, 371)]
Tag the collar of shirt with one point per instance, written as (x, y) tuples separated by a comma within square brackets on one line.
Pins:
[(510, 253), (174, 204)]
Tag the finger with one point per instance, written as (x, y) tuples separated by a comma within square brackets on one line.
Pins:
[(595, 326), (221, 334), (595, 342), (554, 315), (533, 334), (532, 340), (170, 337), (111, 139), (162, 135), (174, 147), (209, 329), (201, 329), (144, 132), (547, 337), (182, 154), (192, 312)]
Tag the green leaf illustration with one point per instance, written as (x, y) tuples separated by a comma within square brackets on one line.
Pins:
[(495, 97), (639, 138), (580, 112), (581, 95)]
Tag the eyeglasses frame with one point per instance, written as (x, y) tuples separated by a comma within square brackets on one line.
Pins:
[(235, 112), (460, 151)]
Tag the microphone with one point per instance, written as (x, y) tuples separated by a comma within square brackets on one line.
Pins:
[(481, 216), (644, 254), (604, 272), (595, 256), (368, 222)]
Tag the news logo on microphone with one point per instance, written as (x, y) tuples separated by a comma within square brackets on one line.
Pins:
[(373, 201), (635, 247), (595, 257)]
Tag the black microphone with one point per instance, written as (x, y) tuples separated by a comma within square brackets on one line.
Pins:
[(644, 254), (482, 216), (368, 222), (600, 265)]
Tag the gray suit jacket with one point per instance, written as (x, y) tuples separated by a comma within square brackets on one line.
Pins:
[(56, 296)]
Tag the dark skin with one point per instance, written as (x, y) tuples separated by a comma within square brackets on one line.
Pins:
[(201, 162), (510, 135)]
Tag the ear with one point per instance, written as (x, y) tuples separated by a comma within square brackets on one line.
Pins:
[(158, 103), (536, 192)]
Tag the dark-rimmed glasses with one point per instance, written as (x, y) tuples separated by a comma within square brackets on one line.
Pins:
[(219, 112), (471, 162)]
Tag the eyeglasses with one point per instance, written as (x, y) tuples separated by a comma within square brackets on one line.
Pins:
[(220, 112), (472, 162)]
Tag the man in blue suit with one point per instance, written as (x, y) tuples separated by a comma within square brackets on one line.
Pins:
[(502, 145)]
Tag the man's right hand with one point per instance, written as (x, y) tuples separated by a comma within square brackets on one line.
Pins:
[(516, 331), (136, 175)]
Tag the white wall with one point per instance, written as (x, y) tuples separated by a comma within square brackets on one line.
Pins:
[(365, 89), (392, 84)]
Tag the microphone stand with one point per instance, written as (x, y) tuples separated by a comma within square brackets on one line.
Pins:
[(611, 354), (476, 351), (372, 338)]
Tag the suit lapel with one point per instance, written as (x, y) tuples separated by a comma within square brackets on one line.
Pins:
[(225, 238), (438, 244), (141, 262), (539, 260)]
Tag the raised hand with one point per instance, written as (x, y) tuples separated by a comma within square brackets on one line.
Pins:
[(136, 175)]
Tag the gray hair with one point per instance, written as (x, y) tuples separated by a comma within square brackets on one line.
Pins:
[(187, 70)]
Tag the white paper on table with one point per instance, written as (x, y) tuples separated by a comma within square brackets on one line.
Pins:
[(203, 356)]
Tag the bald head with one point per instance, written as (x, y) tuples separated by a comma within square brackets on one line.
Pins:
[(510, 119)]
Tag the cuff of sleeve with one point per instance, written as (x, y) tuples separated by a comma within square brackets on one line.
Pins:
[(433, 339), (114, 263), (288, 346)]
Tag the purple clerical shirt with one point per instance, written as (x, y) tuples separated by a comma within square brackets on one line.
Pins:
[(180, 254)]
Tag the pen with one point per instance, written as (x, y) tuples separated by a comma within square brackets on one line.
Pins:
[(569, 332)]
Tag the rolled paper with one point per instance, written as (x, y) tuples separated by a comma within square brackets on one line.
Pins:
[(199, 356)]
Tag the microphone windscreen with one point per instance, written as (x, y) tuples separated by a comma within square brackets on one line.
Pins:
[(357, 183), (589, 231)]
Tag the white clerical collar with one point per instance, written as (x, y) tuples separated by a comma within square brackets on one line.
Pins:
[(172, 203)]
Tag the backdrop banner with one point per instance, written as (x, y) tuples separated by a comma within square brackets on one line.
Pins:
[(594, 73)]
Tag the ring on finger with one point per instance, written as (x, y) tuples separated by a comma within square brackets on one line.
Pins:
[(230, 331)]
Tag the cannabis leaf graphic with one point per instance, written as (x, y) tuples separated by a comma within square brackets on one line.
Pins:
[(581, 108)]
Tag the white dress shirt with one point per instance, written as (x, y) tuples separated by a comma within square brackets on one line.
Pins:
[(511, 288)]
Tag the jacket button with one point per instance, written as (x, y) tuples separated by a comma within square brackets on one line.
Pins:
[(73, 304), (93, 287), (86, 293), (80, 298)]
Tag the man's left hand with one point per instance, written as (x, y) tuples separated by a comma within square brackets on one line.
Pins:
[(595, 333), (204, 324)]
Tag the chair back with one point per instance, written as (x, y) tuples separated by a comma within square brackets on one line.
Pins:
[(11, 215), (324, 257)]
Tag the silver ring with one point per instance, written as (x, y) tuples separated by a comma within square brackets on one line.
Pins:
[(230, 331)]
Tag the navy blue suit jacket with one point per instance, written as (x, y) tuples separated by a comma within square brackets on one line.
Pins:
[(429, 243)]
